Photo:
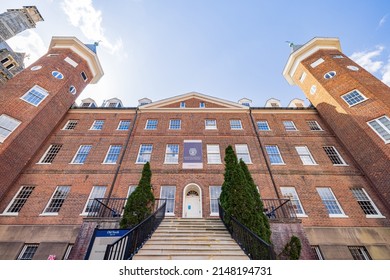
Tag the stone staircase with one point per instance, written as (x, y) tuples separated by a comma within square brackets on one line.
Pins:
[(191, 239)]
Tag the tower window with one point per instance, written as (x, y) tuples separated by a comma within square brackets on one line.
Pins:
[(313, 89), (382, 127), (36, 67), (35, 95), (317, 62), (57, 75), (7, 126), (84, 76), (353, 68), (353, 98), (72, 90), (330, 75)]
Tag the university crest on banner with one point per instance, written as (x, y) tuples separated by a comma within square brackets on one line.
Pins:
[(192, 156)]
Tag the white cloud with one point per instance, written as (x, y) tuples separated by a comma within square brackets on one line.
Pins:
[(386, 73), (366, 59), (82, 14), (382, 21), (30, 43)]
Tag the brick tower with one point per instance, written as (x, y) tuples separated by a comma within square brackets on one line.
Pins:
[(354, 103), (35, 101)]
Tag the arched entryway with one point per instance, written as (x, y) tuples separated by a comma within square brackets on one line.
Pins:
[(192, 201)]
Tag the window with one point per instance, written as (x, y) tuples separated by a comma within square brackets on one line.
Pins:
[(97, 125), (113, 105), (290, 193), (70, 125), (81, 154), (263, 125), (96, 192), (314, 126), (353, 68), (67, 253), (124, 125), (7, 126), (19, 200), (112, 154), (353, 98), (130, 190), (289, 125), (57, 199), (28, 252), (215, 192), (274, 155), (144, 154), (332, 205), (334, 155), (175, 124), (359, 253), (317, 252), (57, 75), (210, 124), (35, 95), (36, 67), (151, 124), (365, 202), (4, 60), (317, 62), (303, 77), (381, 126), (202, 105), (172, 154), (242, 152), (168, 193), (313, 89), (338, 56), (72, 90), (235, 124), (182, 104), (330, 75), (305, 155), (213, 154), (84, 76), (51, 153)]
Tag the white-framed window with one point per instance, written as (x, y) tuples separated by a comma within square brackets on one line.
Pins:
[(317, 252), (168, 193), (242, 152), (381, 126), (19, 200), (334, 155), (359, 253), (172, 154), (338, 56), (365, 202), (124, 125), (144, 153), (7, 126), (57, 75), (50, 154), (305, 155), (330, 202), (130, 190), (274, 155), (84, 76), (289, 126), (313, 89), (70, 125), (314, 126), (213, 154), (210, 124), (35, 95), (175, 124), (57, 200), (303, 77), (28, 252), (235, 124), (291, 193), (182, 104), (215, 192), (263, 125), (81, 154), (97, 125), (112, 154), (202, 104), (353, 98), (151, 124), (96, 192), (330, 75), (67, 252), (317, 62)]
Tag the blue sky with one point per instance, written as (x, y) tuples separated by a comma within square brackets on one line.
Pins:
[(224, 48)]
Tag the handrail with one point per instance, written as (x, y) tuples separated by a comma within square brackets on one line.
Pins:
[(253, 246), (279, 209), (129, 244), (106, 207)]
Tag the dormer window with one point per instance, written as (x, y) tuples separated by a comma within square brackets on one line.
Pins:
[(202, 104), (182, 104)]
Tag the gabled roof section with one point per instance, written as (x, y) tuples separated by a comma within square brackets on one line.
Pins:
[(193, 101)]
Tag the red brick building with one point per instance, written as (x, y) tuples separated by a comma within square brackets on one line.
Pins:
[(330, 160)]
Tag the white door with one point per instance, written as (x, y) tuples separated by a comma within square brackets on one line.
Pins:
[(193, 205)]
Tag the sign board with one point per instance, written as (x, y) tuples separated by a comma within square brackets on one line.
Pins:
[(100, 240), (192, 155)]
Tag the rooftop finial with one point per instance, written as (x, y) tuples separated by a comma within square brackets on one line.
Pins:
[(290, 44), (97, 43)]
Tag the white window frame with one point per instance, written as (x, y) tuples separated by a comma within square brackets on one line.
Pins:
[(235, 124), (215, 192), (53, 154), (121, 125), (289, 126), (305, 155), (263, 124), (213, 154), (57, 195), (361, 250), (96, 192), (314, 125), (273, 155), (7, 126), (330, 75), (149, 154), (317, 250), (334, 200), (36, 100), (80, 153), (182, 104), (130, 190), (382, 126), (210, 124), (202, 104), (171, 156), (303, 77), (332, 152), (366, 198), (151, 124), (291, 193), (346, 95), (175, 124), (17, 201), (97, 125), (70, 125), (24, 249), (245, 152), (317, 62), (111, 152), (170, 205)]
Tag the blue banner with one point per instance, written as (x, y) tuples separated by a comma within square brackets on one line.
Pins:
[(192, 155)]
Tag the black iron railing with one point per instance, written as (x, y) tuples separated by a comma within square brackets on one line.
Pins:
[(279, 210), (255, 247), (106, 207), (129, 244)]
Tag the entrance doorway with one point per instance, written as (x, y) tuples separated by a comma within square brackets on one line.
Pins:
[(192, 201)]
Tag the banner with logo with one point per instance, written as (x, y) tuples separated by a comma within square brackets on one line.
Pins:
[(193, 156)]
